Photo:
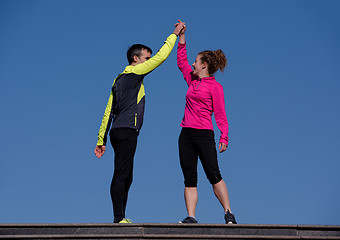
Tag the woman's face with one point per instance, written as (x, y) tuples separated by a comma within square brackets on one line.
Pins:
[(198, 65)]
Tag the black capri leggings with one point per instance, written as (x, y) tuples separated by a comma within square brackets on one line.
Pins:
[(194, 143)]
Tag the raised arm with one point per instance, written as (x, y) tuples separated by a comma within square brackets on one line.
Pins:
[(182, 33), (182, 59), (162, 54)]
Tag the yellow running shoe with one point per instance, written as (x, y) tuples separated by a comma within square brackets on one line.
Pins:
[(125, 220)]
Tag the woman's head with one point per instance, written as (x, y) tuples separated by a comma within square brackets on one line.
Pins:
[(210, 62)]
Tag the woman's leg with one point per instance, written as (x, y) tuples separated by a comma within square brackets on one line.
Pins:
[(191, 198), (188, 160), (221, 192), (208, 157)]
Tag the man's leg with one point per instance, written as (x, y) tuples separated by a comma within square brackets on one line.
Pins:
[(124, 143), (127, 187)]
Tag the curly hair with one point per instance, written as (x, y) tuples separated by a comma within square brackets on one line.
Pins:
[(215, 60)]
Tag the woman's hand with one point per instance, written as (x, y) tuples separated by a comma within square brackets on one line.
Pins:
[(182, 32), (222, 147), (99, 151)]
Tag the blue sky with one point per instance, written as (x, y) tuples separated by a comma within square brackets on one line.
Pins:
[(282, 90)]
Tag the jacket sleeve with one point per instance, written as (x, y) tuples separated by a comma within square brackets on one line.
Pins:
[(183, 64), (220, 114), (106, 122), (158, 59)]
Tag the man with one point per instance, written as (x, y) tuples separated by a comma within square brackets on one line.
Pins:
[(125, 109)]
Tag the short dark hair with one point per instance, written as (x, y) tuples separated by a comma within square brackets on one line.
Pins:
[(136, 49)]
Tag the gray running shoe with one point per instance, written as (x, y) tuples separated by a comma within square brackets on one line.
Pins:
[(229, 218), (188, 220)]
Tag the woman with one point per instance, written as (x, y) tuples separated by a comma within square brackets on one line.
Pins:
[(204, 97)]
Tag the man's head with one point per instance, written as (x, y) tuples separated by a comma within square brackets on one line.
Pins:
[(138, 53)]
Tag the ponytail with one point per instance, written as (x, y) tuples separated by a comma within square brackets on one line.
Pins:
[(215, 60)]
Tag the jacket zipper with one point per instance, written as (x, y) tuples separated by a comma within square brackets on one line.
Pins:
[(199, 83)]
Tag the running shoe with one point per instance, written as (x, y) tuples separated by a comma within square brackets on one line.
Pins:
[(188, 220), (229, 218), (125, 220)]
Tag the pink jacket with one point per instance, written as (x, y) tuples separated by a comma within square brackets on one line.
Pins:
[(204, 97)]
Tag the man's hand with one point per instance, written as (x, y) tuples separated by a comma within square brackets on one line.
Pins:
[(222, 147), (179, 27), (183, 29), (99, 151)]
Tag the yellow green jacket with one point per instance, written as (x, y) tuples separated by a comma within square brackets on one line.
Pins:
[(125, 107)]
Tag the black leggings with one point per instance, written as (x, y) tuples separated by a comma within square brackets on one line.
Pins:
[(194, 143), (124, 143)]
